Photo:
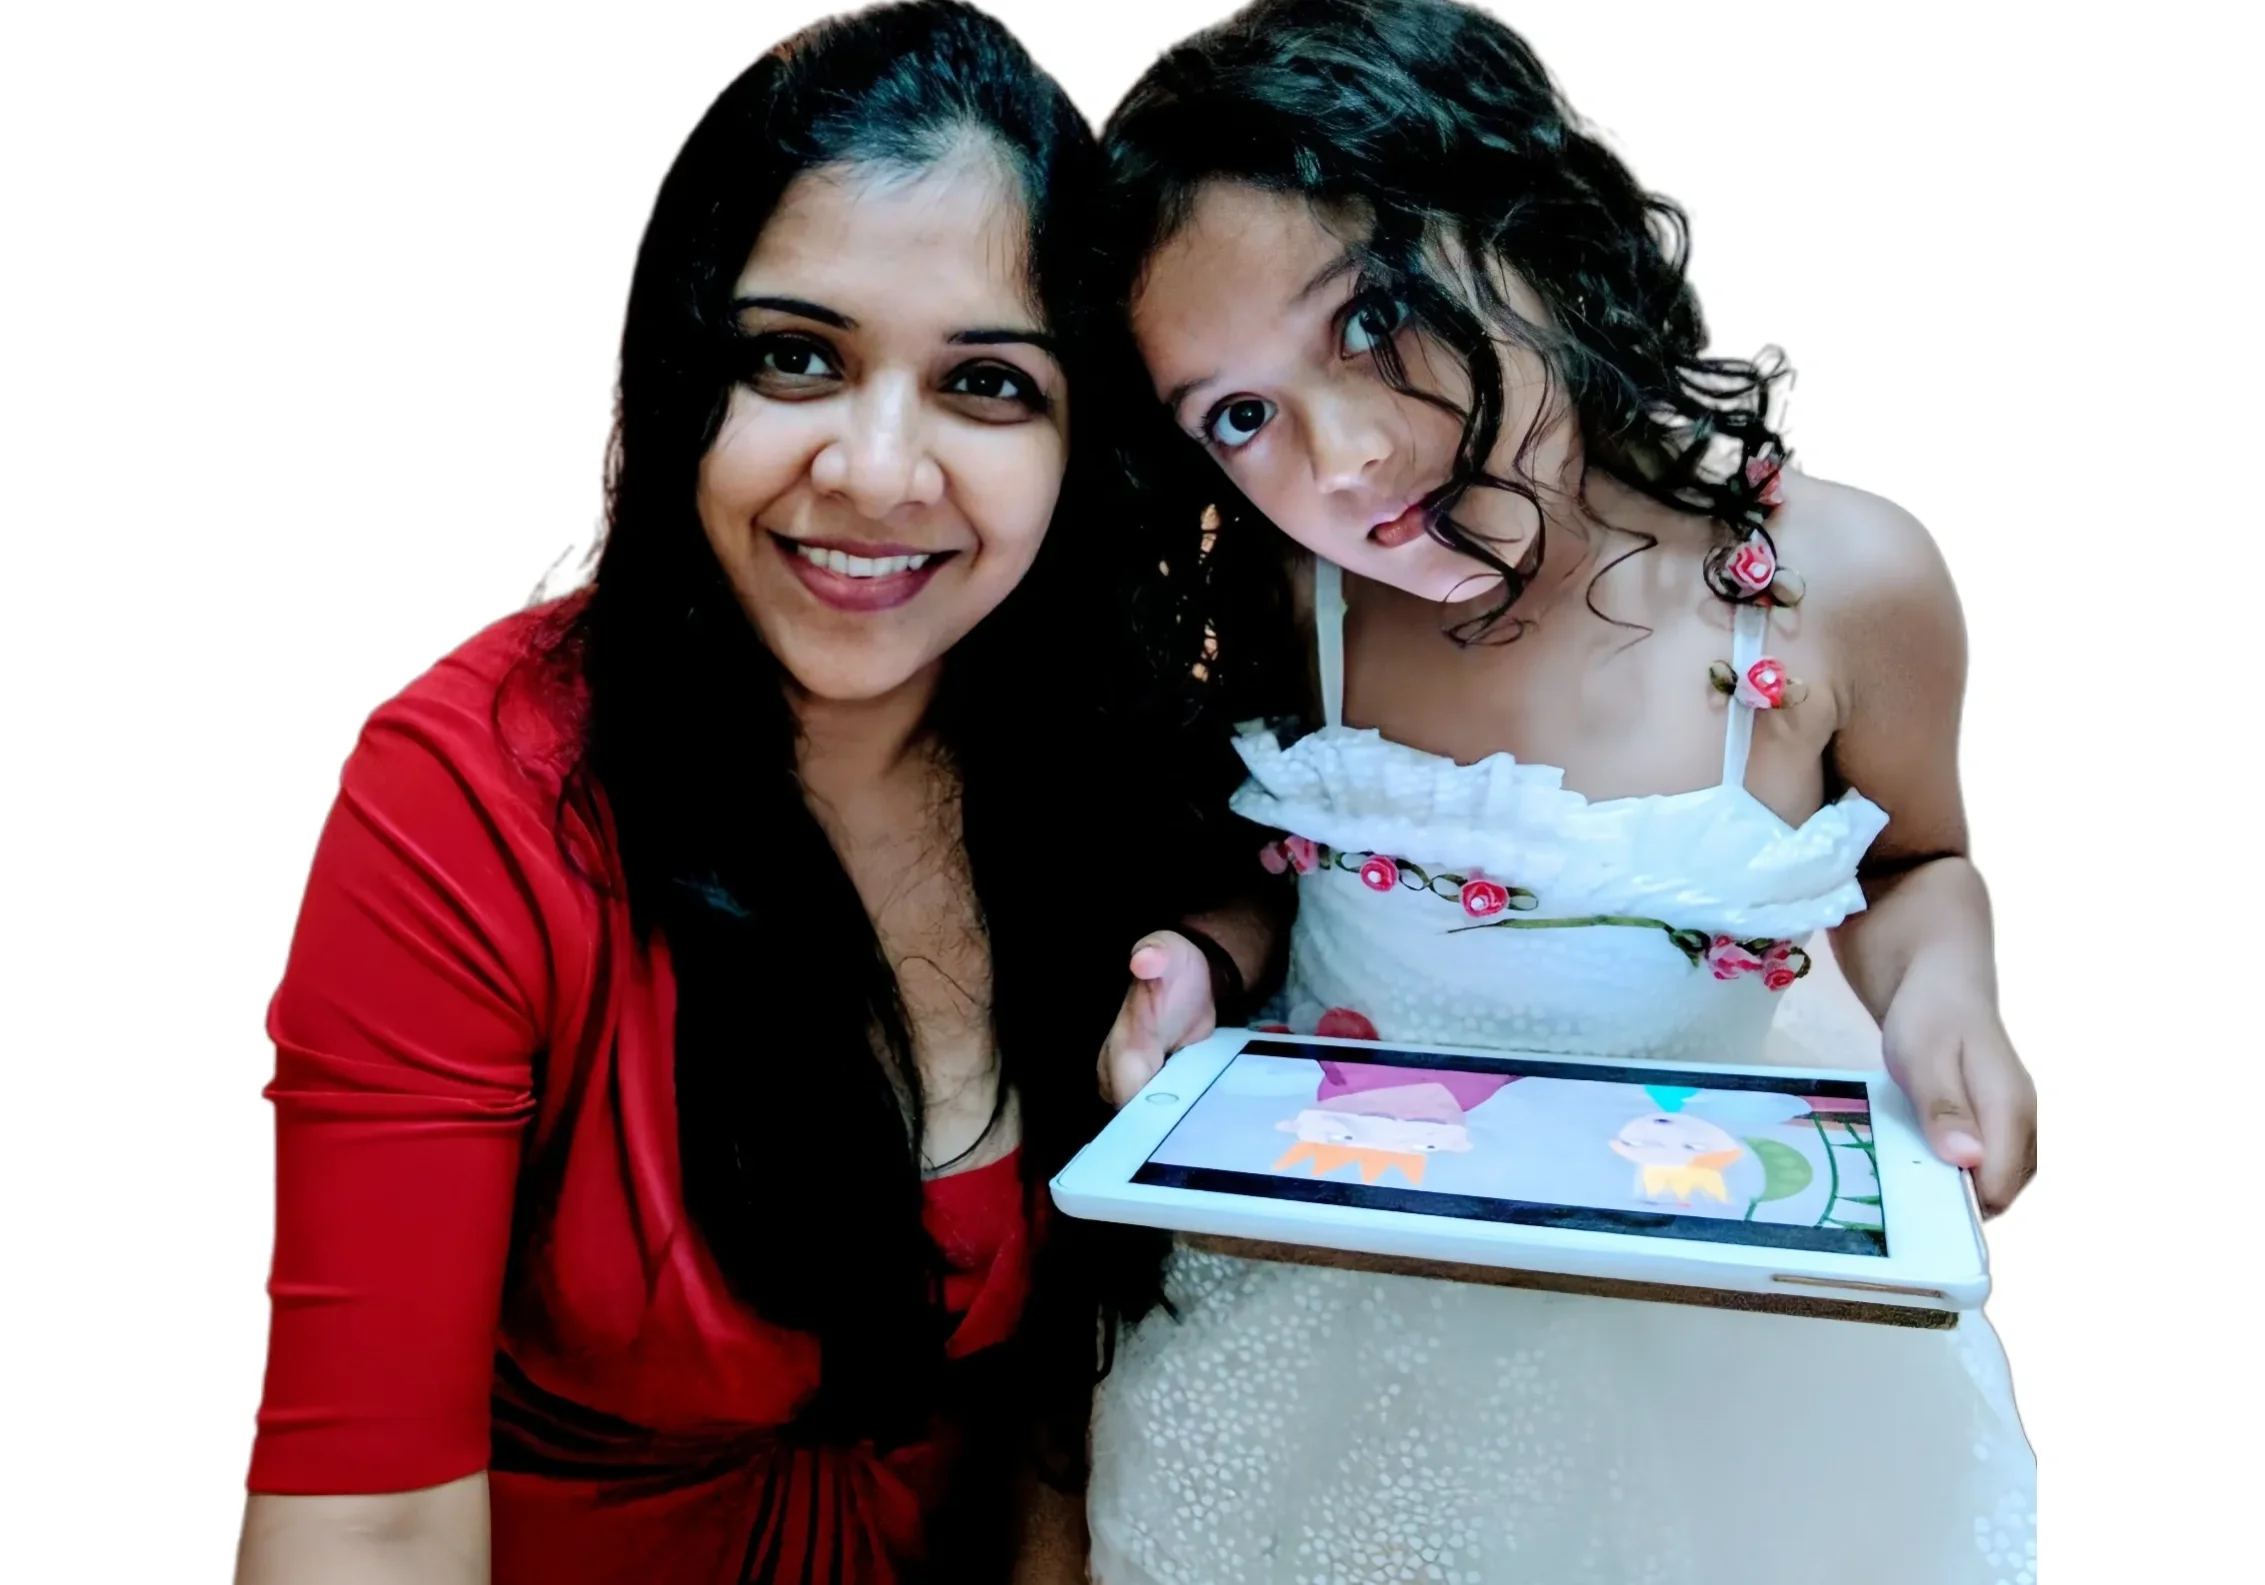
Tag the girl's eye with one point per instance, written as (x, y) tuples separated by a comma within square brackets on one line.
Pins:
[(1235, 423), (1373, 320), (792, 360), (995, 382)]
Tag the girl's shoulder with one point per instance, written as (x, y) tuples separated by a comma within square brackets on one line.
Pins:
[(1871, 573)]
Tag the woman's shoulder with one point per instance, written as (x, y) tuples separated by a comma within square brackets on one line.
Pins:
[(511, 691), (496, 724)]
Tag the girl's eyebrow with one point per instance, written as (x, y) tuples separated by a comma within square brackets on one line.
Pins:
[(1335, 269), (1340, 265), (1182, 391)]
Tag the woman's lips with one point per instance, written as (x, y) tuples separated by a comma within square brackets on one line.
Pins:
[(854, 576), (1412, 523)]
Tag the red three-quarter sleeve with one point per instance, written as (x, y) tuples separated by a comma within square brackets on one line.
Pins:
[(406, 1031)]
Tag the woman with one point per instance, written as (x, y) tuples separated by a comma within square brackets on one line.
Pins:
[(695, 989), (1397, 303)]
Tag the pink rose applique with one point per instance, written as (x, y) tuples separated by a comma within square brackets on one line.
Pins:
[(1765, 472), (1763, 686), (1342, 1023), (1778, 967), (1380, 874), (1727, 959), (1752, 566), (1274, 859), (1304, 856), (1483, 899)]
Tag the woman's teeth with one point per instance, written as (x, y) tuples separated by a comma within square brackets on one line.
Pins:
[(849, 566)]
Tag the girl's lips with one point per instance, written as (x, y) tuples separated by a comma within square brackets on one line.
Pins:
[(870, 583), (1409, 525)]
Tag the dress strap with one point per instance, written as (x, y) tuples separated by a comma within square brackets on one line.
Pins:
[(1329, 637), (1750, 626)]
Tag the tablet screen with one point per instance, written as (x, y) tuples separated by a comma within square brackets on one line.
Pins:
[(1727, 1158)]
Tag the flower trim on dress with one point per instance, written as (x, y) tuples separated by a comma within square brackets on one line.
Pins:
[(1763, 686), (1480, 896), (1752, 566), (1778, 963), (1768, 473)]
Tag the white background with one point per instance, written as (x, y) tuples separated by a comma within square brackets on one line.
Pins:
[(307, 317)]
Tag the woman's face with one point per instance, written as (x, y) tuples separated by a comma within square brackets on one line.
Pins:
[(891, 455), (1258, 338)]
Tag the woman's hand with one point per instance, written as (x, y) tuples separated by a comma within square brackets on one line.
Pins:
[(438, 1536), (1167, 1006), (1951, 1056)]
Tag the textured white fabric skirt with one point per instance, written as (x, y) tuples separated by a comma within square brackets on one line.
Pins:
[(1308, 1426)]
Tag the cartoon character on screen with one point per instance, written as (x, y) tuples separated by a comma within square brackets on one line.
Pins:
[(1677, 1155), (1374, 1117)]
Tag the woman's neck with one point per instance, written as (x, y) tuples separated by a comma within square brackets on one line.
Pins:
[(853, 743)]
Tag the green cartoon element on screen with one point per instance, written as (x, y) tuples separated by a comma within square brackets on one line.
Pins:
[(1677, 1156), (1785, 1173)]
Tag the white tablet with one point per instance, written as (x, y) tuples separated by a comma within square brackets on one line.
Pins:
[(1809, 1190)]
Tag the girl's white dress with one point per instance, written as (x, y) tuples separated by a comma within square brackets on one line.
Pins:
[(1304, 1426)]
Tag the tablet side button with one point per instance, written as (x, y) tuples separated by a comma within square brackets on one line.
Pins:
[(1865, 1287)]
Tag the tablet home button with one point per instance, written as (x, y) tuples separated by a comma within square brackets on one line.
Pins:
[(1162, 1100)]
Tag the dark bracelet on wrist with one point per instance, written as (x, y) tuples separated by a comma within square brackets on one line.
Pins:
[(1230, 996)]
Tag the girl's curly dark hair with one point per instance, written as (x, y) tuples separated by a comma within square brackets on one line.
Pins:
[(1433, 134)]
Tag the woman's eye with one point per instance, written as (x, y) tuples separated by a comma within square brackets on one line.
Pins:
[(995, 382), (793, 358), (1373, 320), (1236, 423)]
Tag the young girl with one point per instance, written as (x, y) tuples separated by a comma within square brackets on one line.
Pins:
[(1582, 638)]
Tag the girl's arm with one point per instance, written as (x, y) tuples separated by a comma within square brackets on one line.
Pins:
[(1921, 955)]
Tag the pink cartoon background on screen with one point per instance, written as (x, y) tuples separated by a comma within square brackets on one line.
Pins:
[(1377, 1117)]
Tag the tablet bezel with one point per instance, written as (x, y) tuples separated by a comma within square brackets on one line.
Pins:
[(1935, 1258)]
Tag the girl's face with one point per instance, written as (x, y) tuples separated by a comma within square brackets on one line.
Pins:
[(890, 458), (1258, 338)]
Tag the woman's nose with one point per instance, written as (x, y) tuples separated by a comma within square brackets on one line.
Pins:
[(881, 460)]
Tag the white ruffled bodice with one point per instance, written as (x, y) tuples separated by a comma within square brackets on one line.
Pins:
[(1546, 971)]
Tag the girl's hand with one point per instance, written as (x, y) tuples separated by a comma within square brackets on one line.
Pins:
[(1971, 1093), (1167, 1007)]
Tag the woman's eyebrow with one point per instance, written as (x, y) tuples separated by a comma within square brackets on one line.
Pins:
[(798, 307), (1007, 338)]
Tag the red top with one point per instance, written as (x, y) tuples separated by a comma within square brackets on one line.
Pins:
[(481, 1257)]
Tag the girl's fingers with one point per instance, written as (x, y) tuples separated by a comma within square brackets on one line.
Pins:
[(1935, 1080), (2006, 1103)]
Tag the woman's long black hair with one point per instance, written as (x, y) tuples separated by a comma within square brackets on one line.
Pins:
[(1431, 133), (798, 1098)]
